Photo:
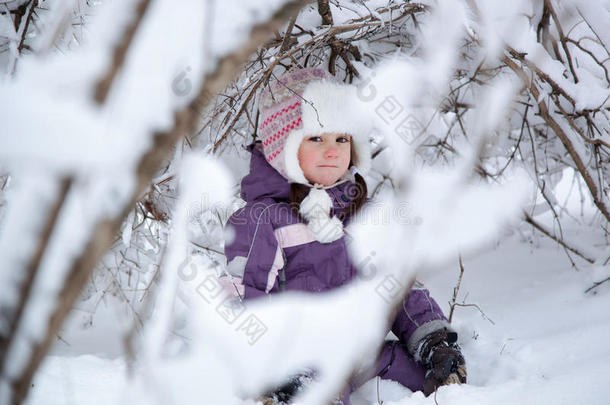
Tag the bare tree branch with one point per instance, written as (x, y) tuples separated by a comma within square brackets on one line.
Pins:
[(23, 16), (341, 48), (103, 86), (325, 13), (28, 18), (286, 43), (31, 271), (558, 130), (562, 37), (556, 87)]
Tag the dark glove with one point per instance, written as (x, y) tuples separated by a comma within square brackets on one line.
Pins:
[(443, 360), (287, 391)]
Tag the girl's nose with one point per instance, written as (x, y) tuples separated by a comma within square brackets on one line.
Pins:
[(331, 152)]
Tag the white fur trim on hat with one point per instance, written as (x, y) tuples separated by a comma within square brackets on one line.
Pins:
[(315, 208), (329, 107)]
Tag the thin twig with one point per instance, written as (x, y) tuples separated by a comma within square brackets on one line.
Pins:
[(597, 284), (209, 249), (592, 55), (480, 310), (560, 241), (242, 108), (456, 290)]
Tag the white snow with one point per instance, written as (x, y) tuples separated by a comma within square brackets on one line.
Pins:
[(547, 343)]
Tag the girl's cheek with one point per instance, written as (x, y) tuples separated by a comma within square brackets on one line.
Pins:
[(304, 153), (309, 155)]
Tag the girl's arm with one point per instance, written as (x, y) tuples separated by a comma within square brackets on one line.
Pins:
[(430, 339), (254, 256), (419, 316)]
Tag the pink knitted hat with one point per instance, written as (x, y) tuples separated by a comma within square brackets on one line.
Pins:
[(306, 102)]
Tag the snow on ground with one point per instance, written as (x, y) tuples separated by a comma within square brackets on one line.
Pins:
[(548, 340), (548, 343)]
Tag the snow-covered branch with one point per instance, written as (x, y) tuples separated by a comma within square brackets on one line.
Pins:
[(28, 346)]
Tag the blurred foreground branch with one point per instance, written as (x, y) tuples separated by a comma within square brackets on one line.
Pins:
[(184, 123)]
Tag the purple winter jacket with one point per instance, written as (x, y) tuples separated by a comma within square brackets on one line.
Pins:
[(271, 251)]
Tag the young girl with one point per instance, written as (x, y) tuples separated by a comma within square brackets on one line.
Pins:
[(303, 186)]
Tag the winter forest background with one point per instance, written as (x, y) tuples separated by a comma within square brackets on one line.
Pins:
[(121, 133)]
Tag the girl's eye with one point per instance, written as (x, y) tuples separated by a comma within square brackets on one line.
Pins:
[(315, 139), (342, 139)]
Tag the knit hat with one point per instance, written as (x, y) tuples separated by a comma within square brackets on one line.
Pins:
[(308, 102)]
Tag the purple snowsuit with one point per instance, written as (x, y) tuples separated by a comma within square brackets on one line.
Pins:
[(271, 251)]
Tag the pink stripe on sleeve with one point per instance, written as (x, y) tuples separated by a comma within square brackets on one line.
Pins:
[(278, 263), (234, 286), (293, 235)]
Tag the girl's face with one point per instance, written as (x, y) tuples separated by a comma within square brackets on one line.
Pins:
[(325, 158)]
